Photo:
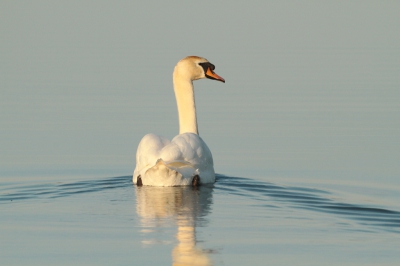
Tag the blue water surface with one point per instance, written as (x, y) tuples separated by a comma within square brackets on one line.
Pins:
[(238, 220)]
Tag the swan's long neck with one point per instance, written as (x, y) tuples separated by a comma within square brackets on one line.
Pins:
[(184, 94)]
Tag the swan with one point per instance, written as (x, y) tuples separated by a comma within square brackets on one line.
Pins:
[(186, 159)]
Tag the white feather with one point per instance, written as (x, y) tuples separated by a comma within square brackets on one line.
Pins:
[(160, 162)]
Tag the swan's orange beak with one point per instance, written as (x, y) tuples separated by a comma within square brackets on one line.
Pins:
[(211, 75)]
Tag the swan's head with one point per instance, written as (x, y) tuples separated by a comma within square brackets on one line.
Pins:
[(194, 67)]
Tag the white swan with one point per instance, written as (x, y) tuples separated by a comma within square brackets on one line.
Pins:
[(186, 160)]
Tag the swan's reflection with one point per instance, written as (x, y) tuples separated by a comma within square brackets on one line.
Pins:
[(184, 205)]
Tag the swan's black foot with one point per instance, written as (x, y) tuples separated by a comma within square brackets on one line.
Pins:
[(139, 181), (196, 181)]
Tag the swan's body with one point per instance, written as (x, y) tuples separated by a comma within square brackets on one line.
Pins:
[(186, 160), (160, 162)]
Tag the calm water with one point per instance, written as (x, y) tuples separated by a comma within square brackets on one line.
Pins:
[(238, 220), (304, 133)]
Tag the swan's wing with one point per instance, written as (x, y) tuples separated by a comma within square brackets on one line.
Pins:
[(148, 152), (192, 149)]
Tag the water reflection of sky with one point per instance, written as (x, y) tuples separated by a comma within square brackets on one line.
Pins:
[(238, 219)]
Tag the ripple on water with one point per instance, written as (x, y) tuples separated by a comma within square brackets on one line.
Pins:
[(305, 198)]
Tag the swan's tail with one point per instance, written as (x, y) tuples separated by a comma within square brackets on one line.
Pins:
[(176, 173)]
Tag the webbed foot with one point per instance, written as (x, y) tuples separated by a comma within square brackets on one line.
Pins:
[(196, 181), (139, 181)]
